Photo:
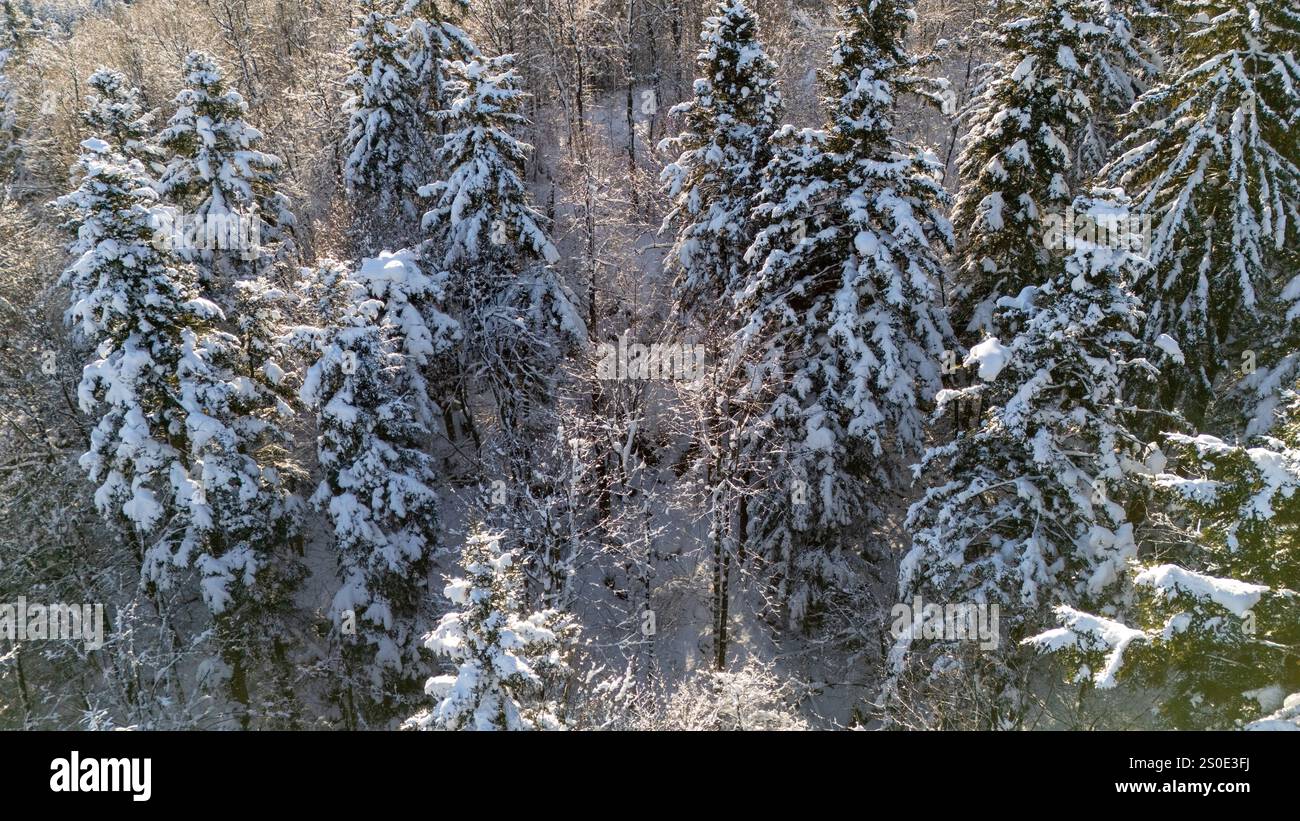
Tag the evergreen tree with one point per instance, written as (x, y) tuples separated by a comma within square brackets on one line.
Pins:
[(215, 174), (235, 227), (387, 153), (116, 113), (518, 317), (1034, 135), (516, 313), (1030, 508), (729, 125), (501, 653), (1213, 163), (1216, 623), (482, 208), (183, 457), (139, 310), (377, 488), (843, 319), (433, 39), (714, 183)]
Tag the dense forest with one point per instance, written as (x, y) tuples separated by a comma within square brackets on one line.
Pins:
[(649, 364)]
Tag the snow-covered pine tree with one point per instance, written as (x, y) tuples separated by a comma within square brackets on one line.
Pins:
[(1217, 619), (433, 38), (235, 227), (1036, 130), (377, 487), (413, 306), (518, 317), (714, 184), (1214, 166), (1029, 511), (387, 153), (173, 450), (116, 113), (501, 652), (726, 143), (215, 174), (843, 317), (481, 208), (516, 313)]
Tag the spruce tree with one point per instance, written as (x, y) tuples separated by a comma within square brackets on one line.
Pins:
[(137, 307), (1216, 621), (1212, 161), (481, 207), (1029, 509), (433, 40), (842, 314), (1037, 110), (216, 174), (188, 456), (501, 652), (517, 315), (378, 483), (714, 184), (519, 320), (235, 227), (726, 143), (386, 150), (115, 111)]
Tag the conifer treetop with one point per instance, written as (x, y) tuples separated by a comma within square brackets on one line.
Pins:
[(500, 652)]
